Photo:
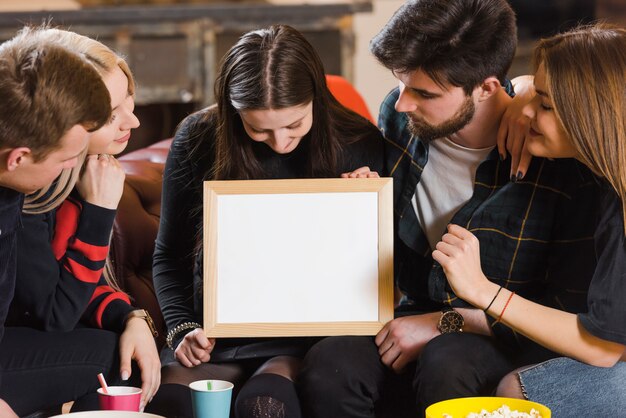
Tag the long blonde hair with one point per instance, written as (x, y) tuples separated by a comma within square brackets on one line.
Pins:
[(104, 61), (586, 78)]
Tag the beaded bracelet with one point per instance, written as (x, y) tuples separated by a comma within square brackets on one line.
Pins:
[(177, 330), (493, 300)]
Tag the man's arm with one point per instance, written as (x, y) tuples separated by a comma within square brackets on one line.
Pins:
[(475, 321), (402, 340)]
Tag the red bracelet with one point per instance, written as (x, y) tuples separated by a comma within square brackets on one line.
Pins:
[(505, 306)]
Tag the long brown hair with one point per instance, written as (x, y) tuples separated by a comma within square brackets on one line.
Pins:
[(586, 73), (276, 68)]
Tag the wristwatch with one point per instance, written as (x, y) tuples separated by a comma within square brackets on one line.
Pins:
[(450, 321), (143, 314)]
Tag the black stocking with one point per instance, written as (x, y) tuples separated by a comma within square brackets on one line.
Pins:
[(268, 396)]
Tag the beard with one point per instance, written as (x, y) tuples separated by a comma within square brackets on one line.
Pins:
[(427, 132)]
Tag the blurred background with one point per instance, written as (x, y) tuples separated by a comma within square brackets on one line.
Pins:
[(174, 46)]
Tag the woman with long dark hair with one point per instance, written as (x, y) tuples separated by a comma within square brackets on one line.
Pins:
[(274, 119)]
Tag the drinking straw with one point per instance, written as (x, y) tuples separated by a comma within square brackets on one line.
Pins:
[(208, 385), (103, 383)]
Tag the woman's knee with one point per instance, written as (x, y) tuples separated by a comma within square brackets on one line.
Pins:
[(268, 395), (285, 366), (510, 386)]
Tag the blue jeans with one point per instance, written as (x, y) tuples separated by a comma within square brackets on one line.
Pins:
[(574, 389)]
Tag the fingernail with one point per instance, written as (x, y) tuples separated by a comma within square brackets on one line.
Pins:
[(513, 178), (125, 375), (520, 175), (141, 407)]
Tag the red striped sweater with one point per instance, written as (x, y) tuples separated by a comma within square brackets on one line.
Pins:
[(61, 256)]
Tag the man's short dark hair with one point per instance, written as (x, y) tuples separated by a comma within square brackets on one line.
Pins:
[(461, 42)]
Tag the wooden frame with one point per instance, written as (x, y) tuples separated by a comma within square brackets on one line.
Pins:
[(346, 196)]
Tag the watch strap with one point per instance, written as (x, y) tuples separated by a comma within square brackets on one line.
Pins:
[(145, 315)]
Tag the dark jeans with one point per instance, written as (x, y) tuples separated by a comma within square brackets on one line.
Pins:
[(344, 377), (43, 369)]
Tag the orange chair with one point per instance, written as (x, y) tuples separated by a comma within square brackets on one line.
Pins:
[(348, 96)]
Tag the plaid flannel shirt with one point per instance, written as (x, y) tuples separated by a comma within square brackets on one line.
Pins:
[(523, 227)]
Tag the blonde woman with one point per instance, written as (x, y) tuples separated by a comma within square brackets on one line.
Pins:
[(62, 296), (578, 112)]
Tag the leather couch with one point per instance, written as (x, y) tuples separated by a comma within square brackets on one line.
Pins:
[(136, 225)]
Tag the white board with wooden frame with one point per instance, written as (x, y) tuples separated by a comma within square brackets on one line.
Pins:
[(298, 257)]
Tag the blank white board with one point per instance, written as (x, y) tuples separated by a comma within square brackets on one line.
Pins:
[(298, 257)]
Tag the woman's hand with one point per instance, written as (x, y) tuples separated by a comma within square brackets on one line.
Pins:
[(102, 181), (458, 252), (514, 127), (137, 343), (194, 349), (361, 173)]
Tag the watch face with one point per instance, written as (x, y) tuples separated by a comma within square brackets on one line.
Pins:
[(451, 321)]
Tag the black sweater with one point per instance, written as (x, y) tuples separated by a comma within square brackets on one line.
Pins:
[(176, 269), (10, 210)]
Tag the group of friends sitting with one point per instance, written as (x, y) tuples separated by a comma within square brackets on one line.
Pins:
[(509, 208)]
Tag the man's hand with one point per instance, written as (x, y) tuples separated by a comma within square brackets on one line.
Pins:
[(401, 340), (194, 349), (361, 173), (6, 411), (137, 343)]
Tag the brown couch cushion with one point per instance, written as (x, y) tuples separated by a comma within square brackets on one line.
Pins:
[(136, 225)]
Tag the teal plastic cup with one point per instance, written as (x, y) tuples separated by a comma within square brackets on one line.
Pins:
[(211, 398)]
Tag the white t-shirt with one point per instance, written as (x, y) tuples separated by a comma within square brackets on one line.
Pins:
[(447, 183)]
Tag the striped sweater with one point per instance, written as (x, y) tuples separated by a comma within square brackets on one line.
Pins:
[(61, 256)]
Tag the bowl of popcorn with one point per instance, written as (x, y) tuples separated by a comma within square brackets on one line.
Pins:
[(487, 407)]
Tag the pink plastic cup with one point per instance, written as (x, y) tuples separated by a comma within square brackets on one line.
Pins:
[(120, 398)]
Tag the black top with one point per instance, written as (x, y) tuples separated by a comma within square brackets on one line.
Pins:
[(10, 210), (590, 279), (176, 268)]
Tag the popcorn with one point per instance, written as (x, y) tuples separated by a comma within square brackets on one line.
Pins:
[(502, 412)]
